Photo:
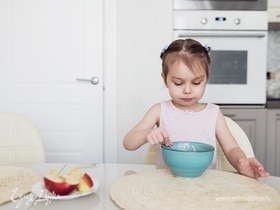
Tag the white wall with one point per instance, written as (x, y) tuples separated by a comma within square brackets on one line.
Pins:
[(110, 81), (143, 28)]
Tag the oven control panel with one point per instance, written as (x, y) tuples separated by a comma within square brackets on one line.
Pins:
[(220, 20)]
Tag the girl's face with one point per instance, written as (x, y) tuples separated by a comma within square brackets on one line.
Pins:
[(186, 88)]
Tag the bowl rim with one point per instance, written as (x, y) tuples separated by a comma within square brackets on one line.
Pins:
[(212, 148)]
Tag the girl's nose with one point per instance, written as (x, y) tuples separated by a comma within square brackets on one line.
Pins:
[(187, 89)]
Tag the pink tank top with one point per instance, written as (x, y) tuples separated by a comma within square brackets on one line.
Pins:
[(188, 126)]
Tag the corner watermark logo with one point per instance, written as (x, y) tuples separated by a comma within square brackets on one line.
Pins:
[(249, 198), (30, 199)]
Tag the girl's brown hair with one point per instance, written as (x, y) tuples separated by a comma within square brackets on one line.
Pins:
[(190, 52)]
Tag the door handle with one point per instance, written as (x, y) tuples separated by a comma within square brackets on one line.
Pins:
[(93, 80)]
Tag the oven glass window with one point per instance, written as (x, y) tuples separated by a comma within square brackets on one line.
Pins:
[(228, 67)]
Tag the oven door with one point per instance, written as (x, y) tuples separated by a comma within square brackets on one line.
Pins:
[(238, 68)]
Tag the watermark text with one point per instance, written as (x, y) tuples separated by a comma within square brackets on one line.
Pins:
[(249, 198)]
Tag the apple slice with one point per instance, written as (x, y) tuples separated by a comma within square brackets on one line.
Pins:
[(85, 183), (60, 185), (76, 173)]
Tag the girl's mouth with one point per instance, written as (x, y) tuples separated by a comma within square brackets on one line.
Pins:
[(187, 99)]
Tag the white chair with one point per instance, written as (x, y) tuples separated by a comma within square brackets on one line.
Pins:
[(20, 141), (222, 162), (151, 155)]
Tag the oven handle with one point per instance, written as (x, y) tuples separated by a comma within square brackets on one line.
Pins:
[(253, 35)]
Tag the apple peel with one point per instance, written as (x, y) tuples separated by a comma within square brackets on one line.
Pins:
[(66, 184), (85, 183), (60, 185)]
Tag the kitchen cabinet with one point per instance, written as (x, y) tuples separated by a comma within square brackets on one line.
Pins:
[(253, 122), (273, 142), (273, 8)]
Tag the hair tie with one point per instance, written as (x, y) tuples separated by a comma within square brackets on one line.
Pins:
[(163, 50), (206, 47)]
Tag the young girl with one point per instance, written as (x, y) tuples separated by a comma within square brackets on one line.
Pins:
[(185, 71)]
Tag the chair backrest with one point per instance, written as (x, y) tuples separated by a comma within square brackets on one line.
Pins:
[(222, 162), (20, 141), (151, 155)]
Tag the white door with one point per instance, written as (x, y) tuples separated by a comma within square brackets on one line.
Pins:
[(45, 46)]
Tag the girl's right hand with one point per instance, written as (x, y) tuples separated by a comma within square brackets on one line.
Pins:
[(159, 136)]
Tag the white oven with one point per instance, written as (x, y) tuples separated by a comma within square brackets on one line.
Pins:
[(221, 4), (238, 41)]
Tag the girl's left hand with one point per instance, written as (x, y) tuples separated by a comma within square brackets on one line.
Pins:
[(251, 167)]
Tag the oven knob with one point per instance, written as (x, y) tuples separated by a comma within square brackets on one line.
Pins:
[(204, 21), (237, 21)]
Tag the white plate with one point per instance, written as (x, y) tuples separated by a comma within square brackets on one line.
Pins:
[(40, 191)]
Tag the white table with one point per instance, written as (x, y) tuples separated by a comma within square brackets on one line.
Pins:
[(107, 174)]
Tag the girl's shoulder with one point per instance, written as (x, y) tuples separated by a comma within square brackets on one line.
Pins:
[(210, 107), (156, 106), (153, 114), (154, 110)]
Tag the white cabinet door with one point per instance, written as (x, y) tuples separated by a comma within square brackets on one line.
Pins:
[(273, 142), (45, 46), (253, 122), (273, 11)]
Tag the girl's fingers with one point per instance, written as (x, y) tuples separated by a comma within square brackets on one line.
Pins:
[(168, 142)]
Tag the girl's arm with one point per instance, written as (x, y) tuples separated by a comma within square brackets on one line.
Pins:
[(250, 167), (227, 141), (138, 135)]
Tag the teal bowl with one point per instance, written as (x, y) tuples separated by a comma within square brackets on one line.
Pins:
[(188, 159)]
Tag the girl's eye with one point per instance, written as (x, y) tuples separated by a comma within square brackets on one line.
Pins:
[(197, 83), (178, 83)]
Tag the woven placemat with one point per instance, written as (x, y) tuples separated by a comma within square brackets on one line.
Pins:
[(159, 189), (15, 182)]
